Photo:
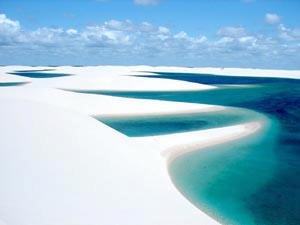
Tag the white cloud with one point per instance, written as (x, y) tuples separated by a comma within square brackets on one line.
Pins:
[(272, 18), (181, 35), (232, 32), (163, 30), (46, 37), (288, 34), (102, 36), (146, 2), (71, 32), (9, 30), (146, 27), (248, 40), (119, 25), (193, 41), (126, 40), (8, 25)]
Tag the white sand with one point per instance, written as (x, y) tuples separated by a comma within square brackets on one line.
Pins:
[(62, 168), (174, 145), (101, 78), (102, 105), (59, 166), (224, 71)]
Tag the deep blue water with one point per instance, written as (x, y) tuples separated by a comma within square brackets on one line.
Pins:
[(251, 181), (38, 73), (215, 79)]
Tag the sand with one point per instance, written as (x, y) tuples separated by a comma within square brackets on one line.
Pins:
[(59, 166)]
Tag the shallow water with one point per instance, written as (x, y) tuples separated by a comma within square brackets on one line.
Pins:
[(9, 84), (139, 126), (222, 179), (250, 181)]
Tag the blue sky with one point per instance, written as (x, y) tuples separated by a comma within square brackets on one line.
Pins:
[(228, 33)]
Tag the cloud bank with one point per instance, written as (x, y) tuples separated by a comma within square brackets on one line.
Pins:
[(128, 43)]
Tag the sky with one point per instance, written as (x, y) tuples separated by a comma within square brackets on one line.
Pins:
[(193, 33)]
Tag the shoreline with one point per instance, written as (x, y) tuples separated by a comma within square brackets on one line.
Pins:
[(110, 159), (232, 133)]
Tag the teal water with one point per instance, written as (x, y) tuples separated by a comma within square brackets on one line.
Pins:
[(140, 126), (223, 179), (10, 84), (38, 73), (250, 181)]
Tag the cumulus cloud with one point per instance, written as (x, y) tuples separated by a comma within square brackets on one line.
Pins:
[(232, 32), (46, 36), (272, 18), (9, 30), (8, 25), (146, 2), (103, 36), (288, 34), (132, 43), (71, 31)]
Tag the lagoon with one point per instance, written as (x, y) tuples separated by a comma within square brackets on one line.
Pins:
[(250, 181), (141, 126), (38, 73)]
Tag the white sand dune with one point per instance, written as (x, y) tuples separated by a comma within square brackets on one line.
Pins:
[(102, 105), (59, 166), (101, 78)]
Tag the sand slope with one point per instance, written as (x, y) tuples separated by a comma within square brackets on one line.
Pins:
[(59, 166)]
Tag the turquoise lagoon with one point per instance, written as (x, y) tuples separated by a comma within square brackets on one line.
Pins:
[(254, 180), (141, 126)]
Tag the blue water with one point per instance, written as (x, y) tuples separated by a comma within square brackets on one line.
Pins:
[(215, 79), (222, 180), (251, 181), (35, 70), (9, 84), (38, 73), (139, 126)]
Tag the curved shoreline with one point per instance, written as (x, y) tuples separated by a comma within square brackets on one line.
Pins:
[(104, 159), (233, 133)]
